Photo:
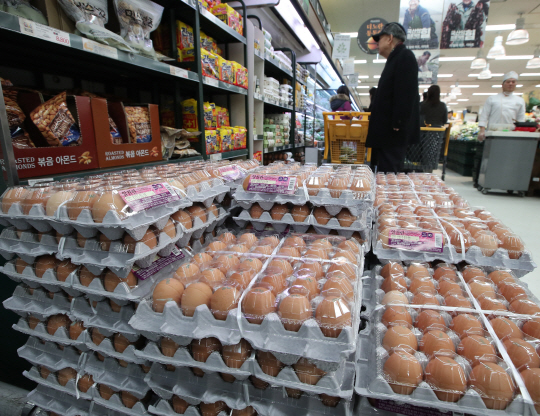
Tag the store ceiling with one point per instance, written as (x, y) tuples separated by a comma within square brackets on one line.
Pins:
[(348, 15)]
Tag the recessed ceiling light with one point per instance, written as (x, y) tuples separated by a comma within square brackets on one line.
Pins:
[(363, 76), (445, 75), (376, 76), (463, 99), (485, 93), (513, 57), (495, 28), (455, 58), (530, 74), (363, 86), (518, 93), (537, 86), (466, 86), (379, 61), (492, 74), (360, 61), (351, 34), (499, 86), (452, 103)]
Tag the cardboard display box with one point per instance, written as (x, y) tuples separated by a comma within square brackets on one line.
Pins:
[(110, 154), (46, 160)]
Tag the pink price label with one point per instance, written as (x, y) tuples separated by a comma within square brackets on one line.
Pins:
[(415, 240), (272, 184), (149, 196), (158, 264), (230, 173)]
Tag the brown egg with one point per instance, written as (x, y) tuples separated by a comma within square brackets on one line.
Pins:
[(169, 289), (111, 281), (81, 240), (212, 209), (120, 342), (396, 315), (85, 382), (247, 411), (488, 243), (196, 211), (345, 218), (36, 196), (271, 241), (425, 298), (269, 363), (524, 307), (494, 385), (491, 304), (435, 343), (447, 378), (532, 328), (107, 201), (308, 372), (256, 211), (66, 374), (400, 338), (248, 238), (128, 399), (512, 291), (75, 329), (470, 272), (465, 325), (86, 277), (278, 211), (202, 348), (258, 303), (295, 241), (201, 258), (429, 320), (505, 328), (183, 218), (12, 196), (44, 372), (332, 315), (223, 300), (479, 288), (45, 263), (403, 372), (212, 277), (20, 265), (457, 301), (195, 294), (499, 276), (522, 353), (422, 284), (337, 185), (105, 391), (64, 269), (531, 378), (395, 297), (349, 245), (392, 283), (227, 262), (476, 349), (56, 321), (235, 355), (97, 337), (340, 286), (265, 250), (293, 311), (186, 272), (340, 265), (32, 321), (448, 287), (169, 229), (321, 215), (179, 405), (212, 409), (392, 269), (417, 270), (514, 245), (300, 213), (168, 347), (149, 239)]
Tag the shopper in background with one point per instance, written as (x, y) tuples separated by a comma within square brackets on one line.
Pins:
[(341, 101), (433, 110), (503, 108), (394, 123), (372, 92), (450, 115)]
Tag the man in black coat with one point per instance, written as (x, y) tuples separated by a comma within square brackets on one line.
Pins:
[(394, 123)]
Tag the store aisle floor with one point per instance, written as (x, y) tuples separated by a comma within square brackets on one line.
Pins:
[(520, 214)]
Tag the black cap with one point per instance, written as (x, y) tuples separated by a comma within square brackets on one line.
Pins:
[(392, 28)]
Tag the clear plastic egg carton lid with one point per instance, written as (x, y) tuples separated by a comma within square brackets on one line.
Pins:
[(59, 402), (270, 189), (27, 244), (259, 224), (114, 209), (37, 302)]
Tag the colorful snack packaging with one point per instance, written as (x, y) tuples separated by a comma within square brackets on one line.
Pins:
[(240, 75), (225, 116), (189, 115), (218, 51), (139, 124), (212, 142), (214, 116), (203, 4), (207, 42), (185, 42), (116, 137), (226, 72), (240, 137), (226, 135), (56, 123), (208, 116), (210, 64), (229, 16), (219, 117)]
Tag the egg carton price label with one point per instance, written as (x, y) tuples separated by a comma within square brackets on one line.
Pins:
[(416, 240), (158, 264), (272, 184), (231, 173), (150, 196)]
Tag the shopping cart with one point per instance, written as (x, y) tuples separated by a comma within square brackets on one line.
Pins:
[(424, 155), (345, 140)]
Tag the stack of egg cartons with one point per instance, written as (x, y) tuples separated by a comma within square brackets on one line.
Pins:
[(268, 48), (285, 95), (277, 129), (284, 59), (85, 253), (271, 90)]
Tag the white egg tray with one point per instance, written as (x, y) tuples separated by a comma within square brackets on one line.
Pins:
[(209, 191), (49, 355), (38, 304), (102, 316), (27, 247), (259, 224), (112, 374), (364, 234), (123, 293), (106, 348), (363, 407), (52, 382), (266, 201), (115, 404), (15, 217), (163, 408), (61, 336), (47, 281), (347, 199), (58, 402)]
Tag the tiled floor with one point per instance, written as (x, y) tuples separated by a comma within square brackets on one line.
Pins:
[(520, 214)]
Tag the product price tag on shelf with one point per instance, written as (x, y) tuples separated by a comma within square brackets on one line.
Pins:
[(149, 196), (211, 81), (32, 182), (178, 72), (99, 49), (40, 31), (215, 156), (272, 184), (416, 240)]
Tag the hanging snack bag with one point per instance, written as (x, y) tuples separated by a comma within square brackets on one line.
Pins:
[(140, 130), (207, 42), (226, 120), (210, 64), (229, 16), (225, 134), (24, 9), (90, 17), (139, 18), (240, 75), (208, 116), (214, 115), (212, 143), (185, 42), (56, 123), (226, 71), (189, 115), (240, 137)]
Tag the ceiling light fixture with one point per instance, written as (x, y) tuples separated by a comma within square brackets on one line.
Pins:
[(485, 93), (518, 36), (485, 74), (452, 103), (530, 74), (463, 99), (360, 61), (351, 34), (499, 86), (535, 61), (466, 86), (492, 75), (479, 62), (456, 90), (496, 28), (363, 76), (455, 58), (379, 61), (497, 49), (445, 75), (376, 76), (513, 57)]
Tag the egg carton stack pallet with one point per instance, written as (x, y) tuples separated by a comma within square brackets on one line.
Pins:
[(450, 328), (86, 252), (255, 322)]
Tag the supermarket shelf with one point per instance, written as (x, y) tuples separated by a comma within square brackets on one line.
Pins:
[(300, 81), (259, 55), (259, 137), (258, 97), (279, 107), (276, 64), (277, 149), (228, 155), (214, 27), (112, 169), (220, 85)]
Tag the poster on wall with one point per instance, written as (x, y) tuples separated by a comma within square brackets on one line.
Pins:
[(428, 65), (464, 23), (342, 47), (422, 20), (366, 32)]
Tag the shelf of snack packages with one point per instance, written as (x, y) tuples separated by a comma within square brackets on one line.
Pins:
[(261, 300)]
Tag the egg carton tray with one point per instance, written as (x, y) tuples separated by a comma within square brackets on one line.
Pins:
[(123, 294), (58, 402), (112, 374), (61, 336), (49, 355), (163, 408), (38, 304), (370, 383), (266, 201), (47, 281), (388, 408), (259, 224), (347, 199), (364, 234), (115, 404), (209, 191), (116, 257), (52, 383), (102, 316), (409, 255), (26, 247), (106, 348)]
